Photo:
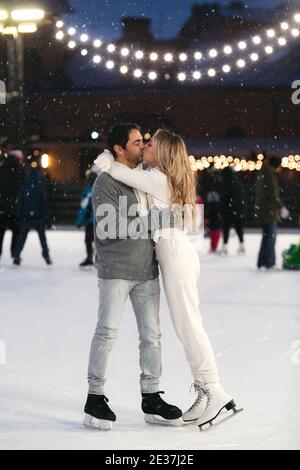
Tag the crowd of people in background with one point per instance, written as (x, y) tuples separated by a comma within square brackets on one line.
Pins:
[(24, 207), (23, 203), (225, 209)]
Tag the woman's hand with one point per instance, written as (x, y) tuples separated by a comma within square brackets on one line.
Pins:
[(104, 161)]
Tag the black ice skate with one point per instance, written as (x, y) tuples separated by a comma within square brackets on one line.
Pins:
[(157, 411), (98, 414), (48, 260)]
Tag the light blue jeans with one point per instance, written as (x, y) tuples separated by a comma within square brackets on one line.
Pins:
[(145, 298)]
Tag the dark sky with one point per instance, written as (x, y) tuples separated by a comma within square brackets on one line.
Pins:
[(103, 16)]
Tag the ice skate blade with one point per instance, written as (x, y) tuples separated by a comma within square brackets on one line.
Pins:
[(154, 419), (208, 426), (98, 424)]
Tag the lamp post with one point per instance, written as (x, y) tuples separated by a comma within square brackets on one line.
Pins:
[(16, 19)]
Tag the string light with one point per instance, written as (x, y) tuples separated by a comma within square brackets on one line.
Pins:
[(227, 50), (292, 162), (97, 59), (110, 64), (124, 69), (292, 31), (125, 52), (282, 42), (152, 75), (97, 43), (183, 57), (138, 73), (111, 48), (241, 63), (198, 55), (153, 56), (242, 45), (168, 57), (84, 38), (72, 44), (226, 68), (271, 33), (269, 50), (256, 40), (139, 55), (213, 53), (284, 26), (60, 35)]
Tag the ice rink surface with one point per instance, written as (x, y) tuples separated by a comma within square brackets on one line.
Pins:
[(48, 316)]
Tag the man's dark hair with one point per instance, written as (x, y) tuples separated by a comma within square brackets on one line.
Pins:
[(275, 161), (119, 135)]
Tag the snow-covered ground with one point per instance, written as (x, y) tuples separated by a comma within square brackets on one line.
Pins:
[(48, 316)]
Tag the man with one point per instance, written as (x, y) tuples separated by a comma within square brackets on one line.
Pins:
[(126, 267), (11, 179), (268, 206)]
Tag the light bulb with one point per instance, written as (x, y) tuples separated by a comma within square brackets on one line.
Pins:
[(152, 75), (111, 48), (124, 69), (181, 76), (226, 68), (97, 59), (137, 73), (213, 53), (198, 55), (227, 50), (97, 43), (110, 64), (124, 52), (197, 75)]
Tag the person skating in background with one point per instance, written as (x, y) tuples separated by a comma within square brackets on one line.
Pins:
[(213, 219), (86, 217), (12, 177), (233, 209), (32, 213), (268, 207)]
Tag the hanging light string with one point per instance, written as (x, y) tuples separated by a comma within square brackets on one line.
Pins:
[(197, 64), (219, 162)]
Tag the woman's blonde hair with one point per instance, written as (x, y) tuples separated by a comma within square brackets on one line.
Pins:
[(174, 161)]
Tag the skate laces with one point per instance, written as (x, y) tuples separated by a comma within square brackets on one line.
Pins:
[(200, 391)]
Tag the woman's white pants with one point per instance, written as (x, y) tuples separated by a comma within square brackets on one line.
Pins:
[(180, 269)]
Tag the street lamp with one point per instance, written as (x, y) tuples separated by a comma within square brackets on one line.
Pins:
[(18, 18)]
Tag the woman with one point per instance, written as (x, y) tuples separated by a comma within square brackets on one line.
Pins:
[(171, 181)]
